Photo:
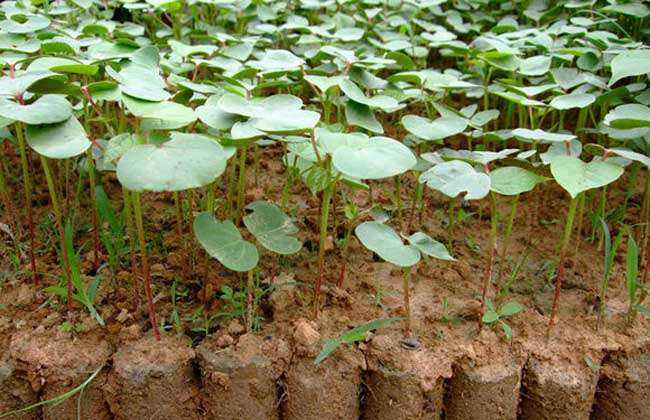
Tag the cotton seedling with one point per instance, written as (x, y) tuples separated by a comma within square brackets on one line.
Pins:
[(223, 241), (385, 242)]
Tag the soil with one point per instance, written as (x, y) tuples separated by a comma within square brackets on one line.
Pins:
[(450, 369)]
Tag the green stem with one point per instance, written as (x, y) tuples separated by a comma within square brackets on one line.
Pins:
[(508, 233), (241, 185), (58, 218), (93, 199), (137, 209), (566, 236), (493, 244), (6, 199), (324, 216), (27, 190), (209, 205)]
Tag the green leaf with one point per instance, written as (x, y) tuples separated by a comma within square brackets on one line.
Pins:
[(48, 109), (354, 335), (223, 241), (361, 115), (455, 177), (630, 63), (355, 94), (510, 308), (19, 84), (513, 180), (573, 100), (539, 135), (535, 66), (374, 158), (632, 266), (58, 141), (576, 176), (506, 330), (438, 129), (272, 228), (382, 240), (159, 115), (628, 116), (429, 246), (31, 24), (490, 316), (186, 161)]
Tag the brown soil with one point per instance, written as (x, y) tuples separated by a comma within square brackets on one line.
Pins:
[(241, 380), (54, 362), (190, 376), (556, 390), (321, 392), (624, 388), (153, 379), (403, 383), (489, 391)]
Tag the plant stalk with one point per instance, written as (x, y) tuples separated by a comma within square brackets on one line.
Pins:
[(58, 219), (27, 190), (493, 244), (137, 209), (566, 236), (406, 284), (324, 216)]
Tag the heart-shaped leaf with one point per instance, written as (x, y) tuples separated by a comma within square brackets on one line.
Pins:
[(48, 109), (355, 94), (455, 177), (628, 116), (382, 240), (539, 135), (272, 228), (374, 158), (429, 246), (576, 176), (159, 115), (630, 63), (573, 100), (58, 141), (186, 161), (223, 241), (438, 129), (513, 180)]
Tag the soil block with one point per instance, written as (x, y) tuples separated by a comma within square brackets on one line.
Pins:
[(55, 362), (624, 387), (555, 389), (483, 392), (154, 379), (241, 381), (403, 383)]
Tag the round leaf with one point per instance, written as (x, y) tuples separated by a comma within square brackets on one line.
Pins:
[(48, 109), (223, 241), (376, 158), (272, 228), (429, 246), (383, 241), (512, 180), (58, 141), (455, 177), (576, 176), (186, 161)]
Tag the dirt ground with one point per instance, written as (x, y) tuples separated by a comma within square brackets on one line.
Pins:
[(452, 368)]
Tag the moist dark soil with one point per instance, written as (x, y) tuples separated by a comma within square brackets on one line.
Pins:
[(450, 368)]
